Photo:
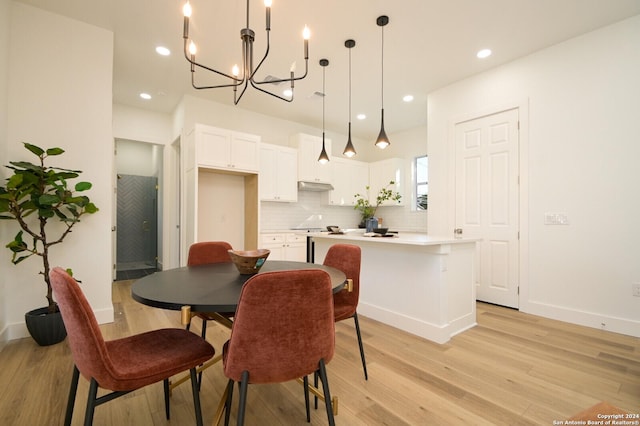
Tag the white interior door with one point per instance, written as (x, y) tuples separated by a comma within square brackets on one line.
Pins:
[(487, 202)]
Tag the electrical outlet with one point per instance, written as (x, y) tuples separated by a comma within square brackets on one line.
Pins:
[(556, 219), (636, 289)]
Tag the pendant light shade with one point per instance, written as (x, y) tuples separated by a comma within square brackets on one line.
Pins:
[(383, 141), (323, 158), (349, 150)]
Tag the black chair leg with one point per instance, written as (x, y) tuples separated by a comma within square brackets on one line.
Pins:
[(227, 404), (204, 336), (196, 396), (166, 399), (315, 384), (305, 383), (91, 402), (244, 384), (364, 362), (72, 396), (327, 393)]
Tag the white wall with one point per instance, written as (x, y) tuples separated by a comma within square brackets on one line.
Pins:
[(583, 102), (60, 85), (5, 6)]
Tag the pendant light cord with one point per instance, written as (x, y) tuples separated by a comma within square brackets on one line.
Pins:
[(382, 67)]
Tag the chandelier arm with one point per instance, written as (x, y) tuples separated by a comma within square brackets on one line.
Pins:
[(282, 80), (254, 85), (196, 64), (235, 92)]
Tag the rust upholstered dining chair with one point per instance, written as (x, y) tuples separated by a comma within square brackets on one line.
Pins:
[(346, 258), (126, 364), (272, 344), (206, 253)]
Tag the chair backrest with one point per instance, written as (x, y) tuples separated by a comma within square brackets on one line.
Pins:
[(283, 326), (346, 258), (88, 347), (208, 252)]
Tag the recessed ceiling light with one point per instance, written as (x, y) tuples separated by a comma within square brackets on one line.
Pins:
[(484, 53), (161, 50), (407, 98), (361, 116), (145, 96)]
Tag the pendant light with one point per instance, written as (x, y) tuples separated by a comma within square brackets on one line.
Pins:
[(324, 158), (349, 150), (383, 141)]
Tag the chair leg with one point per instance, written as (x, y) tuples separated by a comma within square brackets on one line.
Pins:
[(91, 402), (244, 384), (196, 396), (227, 404), (204, 336), (325, 390), (305, 383), (364, 362), (166, 399), (72, 396), (315, 384)]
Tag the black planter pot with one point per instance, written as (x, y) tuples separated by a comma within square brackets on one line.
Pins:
[(45, 328)]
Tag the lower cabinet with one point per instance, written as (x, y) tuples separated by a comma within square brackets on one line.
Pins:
[(285, 245)]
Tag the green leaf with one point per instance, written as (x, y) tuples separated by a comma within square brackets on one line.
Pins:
[(83, 186), (90, 208), (48, 199), (55, 151), (33, 148)]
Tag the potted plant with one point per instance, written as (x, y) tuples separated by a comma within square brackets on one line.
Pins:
[(368, 210), (34, 195)]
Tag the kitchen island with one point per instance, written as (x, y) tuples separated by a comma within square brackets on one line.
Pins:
[(418, 283)]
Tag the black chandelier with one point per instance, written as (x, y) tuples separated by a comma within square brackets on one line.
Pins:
[(323, 158), (241, 78), (383, 141)]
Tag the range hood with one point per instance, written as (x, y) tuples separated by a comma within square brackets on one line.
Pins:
[(314, 186)]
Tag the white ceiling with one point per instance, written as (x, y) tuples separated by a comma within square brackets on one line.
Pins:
[(428, 44)]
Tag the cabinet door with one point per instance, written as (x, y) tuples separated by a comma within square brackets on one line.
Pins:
[(278, 173), (296, 247), (383, 172), (287, 175), (213, 147), (244, 151), (268, 173), (309, 169), (275, 243)]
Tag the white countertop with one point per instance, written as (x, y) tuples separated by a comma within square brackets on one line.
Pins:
[(404, 238)]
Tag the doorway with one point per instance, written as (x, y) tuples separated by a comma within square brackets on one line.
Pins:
[(138, 167), (487, 201)]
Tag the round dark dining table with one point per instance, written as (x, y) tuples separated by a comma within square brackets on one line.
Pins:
[(211, 288)]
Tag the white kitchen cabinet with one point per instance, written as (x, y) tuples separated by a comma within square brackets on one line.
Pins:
[(220, 198), (285, 245), (384, 171), (278, 173), (226, 149), (309, 148), (350, 177)]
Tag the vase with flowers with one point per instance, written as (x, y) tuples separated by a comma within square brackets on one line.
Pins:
[(368, 210)]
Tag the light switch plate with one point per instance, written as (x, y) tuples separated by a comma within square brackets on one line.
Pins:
[(556, 219)]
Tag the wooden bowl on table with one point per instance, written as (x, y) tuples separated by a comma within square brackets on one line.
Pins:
[(249, 262)]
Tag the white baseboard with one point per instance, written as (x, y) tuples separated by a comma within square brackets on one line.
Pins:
[(436, 333), (587, 319)]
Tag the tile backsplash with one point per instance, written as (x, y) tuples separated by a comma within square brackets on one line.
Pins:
[(312, 211)]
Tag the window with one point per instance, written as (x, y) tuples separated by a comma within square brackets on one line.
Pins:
[(422, 182)]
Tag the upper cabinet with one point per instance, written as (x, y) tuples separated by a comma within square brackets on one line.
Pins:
[(385, 171), (278, 173), (309, 147), (226, 149), (350, 177)]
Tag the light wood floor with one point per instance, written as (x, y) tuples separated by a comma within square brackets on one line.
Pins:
[(512, 369)]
